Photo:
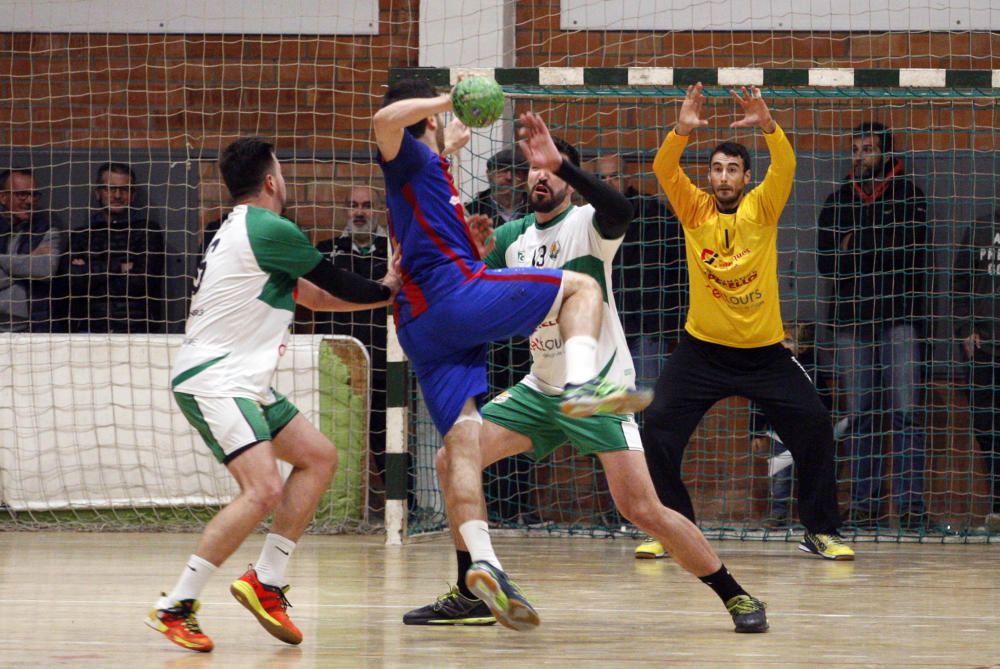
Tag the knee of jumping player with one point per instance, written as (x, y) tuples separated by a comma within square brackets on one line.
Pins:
[(577, 283)]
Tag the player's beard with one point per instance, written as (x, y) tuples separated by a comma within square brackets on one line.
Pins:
[(543, 204), (729, 199)]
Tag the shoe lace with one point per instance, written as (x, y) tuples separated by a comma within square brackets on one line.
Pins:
[(744, 604), (191, 624), (453, 593), (285, 604), (829, 539), (185, 612)]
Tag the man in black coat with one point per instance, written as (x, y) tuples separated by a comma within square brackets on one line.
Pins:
[(873, 244), (32, 244), (117, 261)]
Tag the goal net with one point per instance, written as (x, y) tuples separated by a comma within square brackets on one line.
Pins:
[(734, 466), (114, 121)]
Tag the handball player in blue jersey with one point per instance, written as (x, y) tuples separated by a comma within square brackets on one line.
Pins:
[(450, 307)]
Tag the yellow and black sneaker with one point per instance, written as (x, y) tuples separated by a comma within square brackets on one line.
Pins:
[(451, 608), (748, 614), (827, 546), (602, 396), (650, 549)]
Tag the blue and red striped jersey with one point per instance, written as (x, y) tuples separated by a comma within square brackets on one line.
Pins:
[(427, 224)]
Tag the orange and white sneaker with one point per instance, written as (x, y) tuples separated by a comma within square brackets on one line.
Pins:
[(180, 625), (268, 604)]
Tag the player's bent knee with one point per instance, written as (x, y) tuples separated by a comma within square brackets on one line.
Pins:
[(575, 282), (638, 512), (265, 495)]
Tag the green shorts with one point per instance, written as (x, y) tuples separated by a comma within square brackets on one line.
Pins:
[(537, 416), (230, 425)]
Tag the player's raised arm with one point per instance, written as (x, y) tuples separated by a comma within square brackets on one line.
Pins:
[(392, 120), (777, 185), (684, 196), (613, 210)]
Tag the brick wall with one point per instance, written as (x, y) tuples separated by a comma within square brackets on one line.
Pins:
[(200, 91)]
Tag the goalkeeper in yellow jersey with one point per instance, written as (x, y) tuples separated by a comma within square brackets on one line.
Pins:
[(731, 344)]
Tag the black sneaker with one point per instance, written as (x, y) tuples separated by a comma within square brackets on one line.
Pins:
[(451, 608), (510, 607), (748, 614)]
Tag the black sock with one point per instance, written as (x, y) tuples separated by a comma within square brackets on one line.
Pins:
[(724, 584), (464, 562)]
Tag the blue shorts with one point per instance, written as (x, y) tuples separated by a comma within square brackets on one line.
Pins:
[(447, 343)]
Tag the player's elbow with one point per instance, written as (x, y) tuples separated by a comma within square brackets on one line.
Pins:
[(382, 121)]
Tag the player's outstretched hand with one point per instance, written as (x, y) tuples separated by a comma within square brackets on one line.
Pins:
[(536, 143), (481, 228), (689, 116), (456, 135), (755, 111)]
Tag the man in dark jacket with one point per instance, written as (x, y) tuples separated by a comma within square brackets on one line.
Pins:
[(117, 261), (873, 244), (31, 247), (977, 325)]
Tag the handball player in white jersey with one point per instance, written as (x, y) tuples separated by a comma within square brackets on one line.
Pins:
[(258, 266)]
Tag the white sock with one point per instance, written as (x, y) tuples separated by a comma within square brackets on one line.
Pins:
[(477, 539), (273, 560), (581, 359), (192, 581)]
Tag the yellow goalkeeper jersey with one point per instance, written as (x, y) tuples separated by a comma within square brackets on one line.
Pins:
[(732, 258)]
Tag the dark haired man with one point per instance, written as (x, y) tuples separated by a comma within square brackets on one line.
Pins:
[(525, 419), (117, 261), (732, 339), (873, 244), (257, 267), (451, 306), (30, 251)]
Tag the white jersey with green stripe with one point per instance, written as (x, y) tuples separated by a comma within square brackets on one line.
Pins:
[(570, 241), (243, 306)]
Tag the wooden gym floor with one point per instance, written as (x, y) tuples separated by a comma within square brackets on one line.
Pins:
[(78, 600)]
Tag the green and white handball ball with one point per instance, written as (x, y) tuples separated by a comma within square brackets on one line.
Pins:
[(477, 101)]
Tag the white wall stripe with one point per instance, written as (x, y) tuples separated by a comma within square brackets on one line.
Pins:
[(651, 76), (741, 76), (831, 76), (731, 76), (560, 76), (921, 77)]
